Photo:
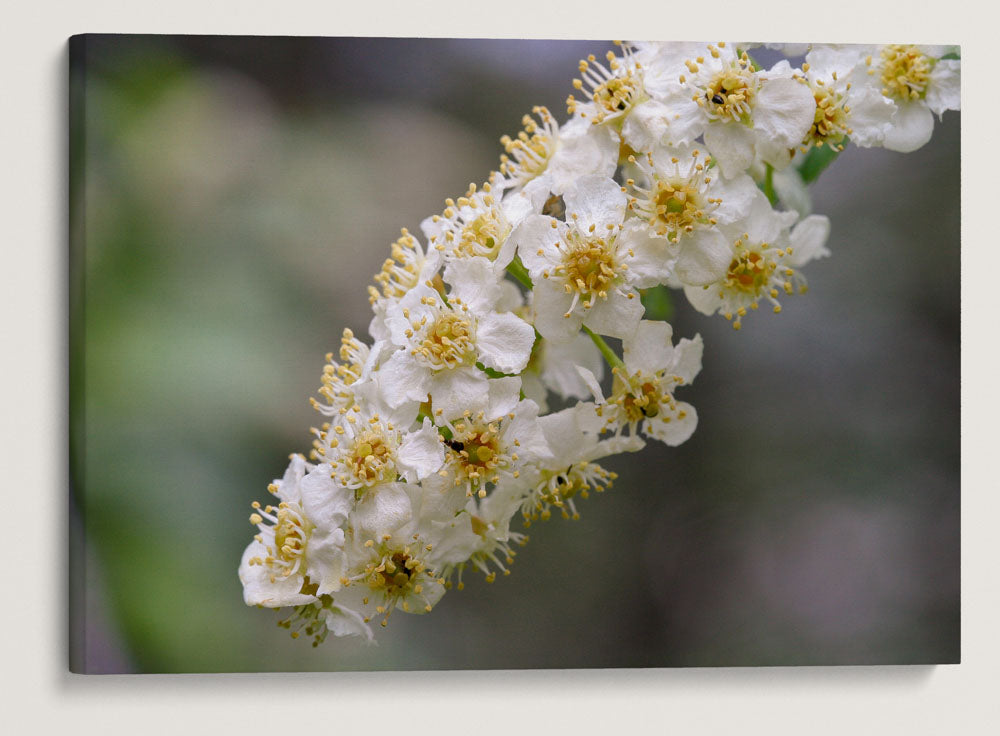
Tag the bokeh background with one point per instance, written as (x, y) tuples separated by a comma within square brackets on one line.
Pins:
[(230, 199)]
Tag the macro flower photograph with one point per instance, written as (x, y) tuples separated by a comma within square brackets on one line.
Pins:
[(451, 354)]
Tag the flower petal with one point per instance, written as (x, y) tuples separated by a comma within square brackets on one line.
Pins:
[(672, 428), (687, 359), (650, 348), (382, 510), (504, 341), (325, 502), (453, 391), (784, 112), (420, 453), (705, 255), (731, 145), (474, 282), (911, 128), (944, 89), (550, 303), (808, 240), (402, 379), (616, 316), (595, 200), (258, 588)]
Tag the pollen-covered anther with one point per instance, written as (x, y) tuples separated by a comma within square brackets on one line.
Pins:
[(731, 93), (613, 89), (448, 342), (905, 72), (676, 202), (830, 119), (530, 151), (338, 378), (559, 489), (749, 272), (401, 271), (370, 460), (284, 532), (589, 267)]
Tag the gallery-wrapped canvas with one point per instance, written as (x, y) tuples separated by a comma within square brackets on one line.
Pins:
[(413, 354)]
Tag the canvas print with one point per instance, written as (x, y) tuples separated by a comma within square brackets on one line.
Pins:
[(414, 354)]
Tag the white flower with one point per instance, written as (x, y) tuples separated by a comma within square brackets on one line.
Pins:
[(364, 449), (922, 85), (642, 392), (409, 264), (766, 259), (612, 91), (547, 159), (443, 338), (742, 112), (478, 224), (495, 437), (624, 96), (683, 202), (571, 473), (341, 381), (553, 368), (298, 552), (847, 103), (587, 270), (388, 574)]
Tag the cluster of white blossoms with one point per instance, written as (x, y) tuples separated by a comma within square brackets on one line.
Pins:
[(479, 397)]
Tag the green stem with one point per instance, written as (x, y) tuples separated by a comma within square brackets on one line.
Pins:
[(769, 185), (609, 355), (516, 269), (817, 160)]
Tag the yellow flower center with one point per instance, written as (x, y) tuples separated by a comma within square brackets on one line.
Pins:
[(731, 93), (615, 95), (638, 396), (475, 454), (481, 237), (678, 208), (371, 458), (448, 342), (589, 266), (830, 119), (749, 272), (291, 530), (395, 575), (531, 149), (905, 72), (615, 88)]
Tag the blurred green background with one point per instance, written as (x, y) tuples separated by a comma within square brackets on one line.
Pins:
[(230, 199)]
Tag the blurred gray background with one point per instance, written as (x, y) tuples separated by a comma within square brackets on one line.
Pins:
[(230, 199)]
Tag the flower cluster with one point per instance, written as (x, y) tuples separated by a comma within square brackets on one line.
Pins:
[(479, 397)]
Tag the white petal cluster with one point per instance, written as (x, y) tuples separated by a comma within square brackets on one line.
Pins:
[(488, 391)]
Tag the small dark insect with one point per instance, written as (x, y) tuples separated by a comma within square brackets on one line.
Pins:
[(717, 99), (455, 445)]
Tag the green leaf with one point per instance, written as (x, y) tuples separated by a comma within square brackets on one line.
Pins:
[(659, 303), (492, 373), (768, 185), (817, 160), (516, 269)]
